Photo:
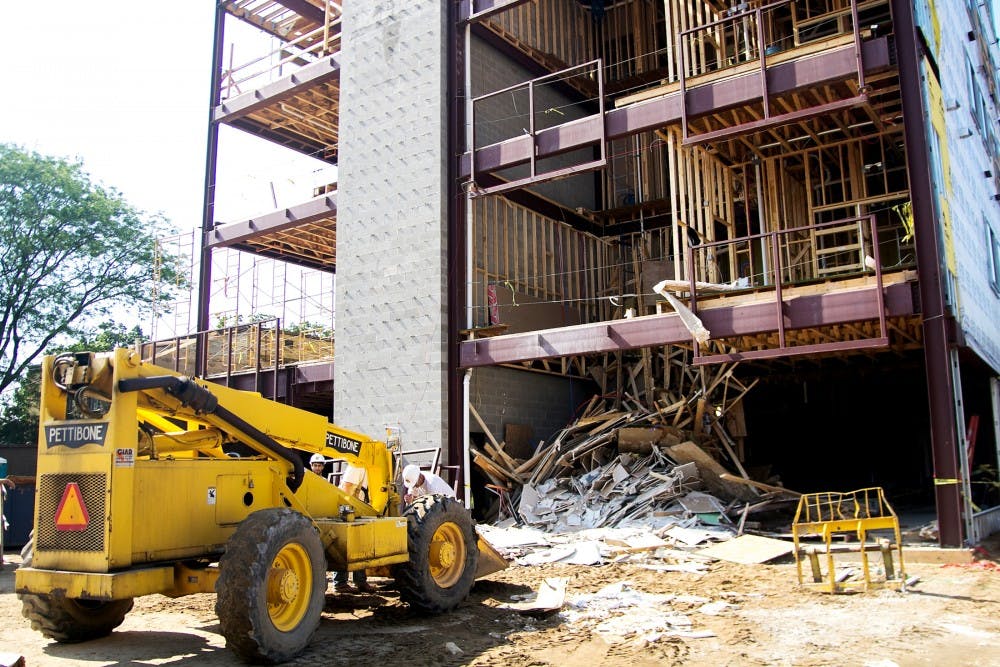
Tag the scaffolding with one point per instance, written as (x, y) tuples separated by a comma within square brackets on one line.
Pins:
[(254, 300)]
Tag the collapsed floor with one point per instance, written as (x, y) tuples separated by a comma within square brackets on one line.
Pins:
[(732, 444)]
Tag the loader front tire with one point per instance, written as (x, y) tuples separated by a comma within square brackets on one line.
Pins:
[(69, 620), (271, 587), (443, 554)]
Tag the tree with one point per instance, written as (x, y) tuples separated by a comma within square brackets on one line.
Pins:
[(70, 252), (19, 423)]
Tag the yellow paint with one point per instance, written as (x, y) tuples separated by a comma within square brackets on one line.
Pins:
[(854, 514), (189, 580), (935, 26), (935, 104), (367, 542), (95, 586), (159, 489)]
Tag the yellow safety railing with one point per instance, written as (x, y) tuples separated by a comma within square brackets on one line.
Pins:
[(859, 514)]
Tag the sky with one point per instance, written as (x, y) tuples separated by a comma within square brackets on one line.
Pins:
[(124, 86)]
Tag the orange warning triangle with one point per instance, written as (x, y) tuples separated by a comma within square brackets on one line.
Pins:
[(72, 513)]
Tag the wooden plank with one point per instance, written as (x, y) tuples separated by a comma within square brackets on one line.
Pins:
[(760, 485), (482, 425), (729, 444), (711, 471)]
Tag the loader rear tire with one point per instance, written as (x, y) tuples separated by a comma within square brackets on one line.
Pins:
[(69, 620), (444, 553), (271, 587)]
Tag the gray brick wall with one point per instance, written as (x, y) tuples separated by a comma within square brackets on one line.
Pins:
[(508, 396), (391, 239)]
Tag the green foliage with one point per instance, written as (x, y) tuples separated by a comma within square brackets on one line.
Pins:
[(232, 320), (19, 422), (313, 329), (70, 252)]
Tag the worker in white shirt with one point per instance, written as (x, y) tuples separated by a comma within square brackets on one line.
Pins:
[(420, 483)]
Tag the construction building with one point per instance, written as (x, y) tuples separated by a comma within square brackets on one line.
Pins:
[(816, 183)]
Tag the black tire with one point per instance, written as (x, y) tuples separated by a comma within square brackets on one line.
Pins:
[(69, 620), (437, 580), (266, 544)]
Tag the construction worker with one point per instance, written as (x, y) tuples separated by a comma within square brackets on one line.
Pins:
[(420, 483), (317, 462), (354, 481)]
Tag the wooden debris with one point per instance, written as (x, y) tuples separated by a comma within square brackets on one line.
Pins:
[(648, 439), (710, 470), (639, 440), (760, 485)]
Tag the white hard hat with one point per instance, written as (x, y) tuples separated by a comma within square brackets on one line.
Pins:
[(317, 458), (411, 474)]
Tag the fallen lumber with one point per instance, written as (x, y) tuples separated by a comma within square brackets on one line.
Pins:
[(711, 471), (759, 485)]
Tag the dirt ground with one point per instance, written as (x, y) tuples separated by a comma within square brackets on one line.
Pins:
[(755, 615)]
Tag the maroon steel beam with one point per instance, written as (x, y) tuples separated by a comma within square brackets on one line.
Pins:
[(208, 208), (307, 379), (288, 86), (287, 218), (775, 352), (833, 65), (937, 322), (455, 254), (774, 121), (801, 312)]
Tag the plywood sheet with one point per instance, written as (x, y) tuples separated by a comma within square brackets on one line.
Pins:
[(748, 549)]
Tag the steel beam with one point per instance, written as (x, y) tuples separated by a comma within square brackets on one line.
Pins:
[(287, 86), (208, 208), (235, 233), (833, 65), (800, 312), (774, 121), (938, 324), (455, 63)]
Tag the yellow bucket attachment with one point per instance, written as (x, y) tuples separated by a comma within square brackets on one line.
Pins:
[(490, 560)]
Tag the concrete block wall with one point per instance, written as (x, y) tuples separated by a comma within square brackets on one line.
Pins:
[(508, 396), (391, 304)]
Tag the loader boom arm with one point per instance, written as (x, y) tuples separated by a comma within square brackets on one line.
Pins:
[(274, 430)]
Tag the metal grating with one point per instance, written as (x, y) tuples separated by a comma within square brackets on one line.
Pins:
[(93, 489)]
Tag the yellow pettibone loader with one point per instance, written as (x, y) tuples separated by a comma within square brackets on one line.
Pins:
[(151, 482)]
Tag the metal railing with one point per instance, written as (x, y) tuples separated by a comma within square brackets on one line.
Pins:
[(534, 175), (748, 28), (303, 50), (259, 348), (771, 263)]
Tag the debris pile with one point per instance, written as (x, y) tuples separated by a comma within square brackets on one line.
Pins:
[(666, 544), (634, 455), (618, 612)]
